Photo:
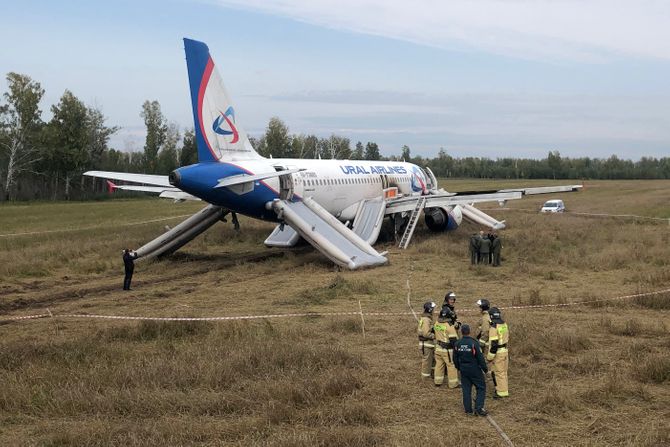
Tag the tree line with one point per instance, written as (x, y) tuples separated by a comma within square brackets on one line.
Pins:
[(45, 160)]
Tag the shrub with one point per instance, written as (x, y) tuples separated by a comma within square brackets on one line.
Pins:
[(653, 370)]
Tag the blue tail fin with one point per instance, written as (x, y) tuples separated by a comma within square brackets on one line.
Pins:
[(218, 136)]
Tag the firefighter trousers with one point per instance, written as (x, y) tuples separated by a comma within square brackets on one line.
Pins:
[(427, 358), (499, 372), (444, 360)]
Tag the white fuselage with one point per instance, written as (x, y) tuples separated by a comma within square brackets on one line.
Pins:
[(339, 185)]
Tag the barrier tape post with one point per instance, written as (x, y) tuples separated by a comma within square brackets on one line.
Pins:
[(55, 322), (360, 308), (409, 290)]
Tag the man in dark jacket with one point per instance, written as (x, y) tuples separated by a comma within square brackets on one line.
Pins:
[(469, 360), (474, 248), (484, 249), (129, 266), (496, 247)]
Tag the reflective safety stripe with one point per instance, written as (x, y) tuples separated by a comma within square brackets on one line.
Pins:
[(502, 393), (490, 356), (453, 381), (502, 349), (424, 344), (441, 349), (439, 379), (425, 375)]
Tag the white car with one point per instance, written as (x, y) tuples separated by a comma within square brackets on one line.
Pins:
[(553, 206)]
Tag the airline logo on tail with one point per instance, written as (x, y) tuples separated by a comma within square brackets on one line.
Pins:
[(227, 117), (218, 135), (418, 181)]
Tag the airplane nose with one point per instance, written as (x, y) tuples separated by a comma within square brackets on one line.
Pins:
[(174, 179)]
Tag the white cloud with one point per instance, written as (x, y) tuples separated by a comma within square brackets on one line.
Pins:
[(534, 29)]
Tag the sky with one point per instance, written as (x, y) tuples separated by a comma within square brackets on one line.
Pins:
[(485, 78)]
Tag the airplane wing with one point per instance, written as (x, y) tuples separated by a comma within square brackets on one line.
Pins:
[(523, 191), (466, 200), (449, 199), (156, 184)]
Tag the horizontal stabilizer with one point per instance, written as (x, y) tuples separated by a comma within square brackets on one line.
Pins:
[(147, 179)]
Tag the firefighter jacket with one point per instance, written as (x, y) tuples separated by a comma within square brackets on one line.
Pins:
[(425, 331), (484, 326), (468, 355), (445, 335), (498, 338)]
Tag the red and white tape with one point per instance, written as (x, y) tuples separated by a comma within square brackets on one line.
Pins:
[(67, 230), (312, 314), (620, 216)]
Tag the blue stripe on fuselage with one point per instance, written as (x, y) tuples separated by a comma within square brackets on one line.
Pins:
[(200, 180)]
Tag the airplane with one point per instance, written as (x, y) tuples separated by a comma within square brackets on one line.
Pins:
[(335, 205)]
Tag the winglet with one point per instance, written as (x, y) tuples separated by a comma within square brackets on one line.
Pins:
[(110, 187)]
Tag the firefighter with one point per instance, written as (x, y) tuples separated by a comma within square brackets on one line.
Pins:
[(469, 360), (450, 302), (445, 340), (497, 355), (426, 339), (484, 324)]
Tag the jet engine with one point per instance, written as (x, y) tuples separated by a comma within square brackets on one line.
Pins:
[(443, 218)]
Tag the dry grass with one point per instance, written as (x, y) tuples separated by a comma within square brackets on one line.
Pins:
[(582, 375)]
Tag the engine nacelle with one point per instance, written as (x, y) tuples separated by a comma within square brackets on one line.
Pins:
[(443, 218)]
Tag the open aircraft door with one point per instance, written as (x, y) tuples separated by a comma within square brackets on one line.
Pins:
[(286, 183), (385, 181)]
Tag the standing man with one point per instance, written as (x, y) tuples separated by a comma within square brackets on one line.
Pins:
[(496, 246), (129, 266), (474, 248), (484, 324), (469, 360), (484, 248), (450, 302), (426, 339), (445, 340), (236, 222), (497, 355)]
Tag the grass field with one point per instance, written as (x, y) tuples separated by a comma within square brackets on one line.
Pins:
[(587, 375)]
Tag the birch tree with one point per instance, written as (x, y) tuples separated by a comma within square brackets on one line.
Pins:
[(20, 123), (157, 129)]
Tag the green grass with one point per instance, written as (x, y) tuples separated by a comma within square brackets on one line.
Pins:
[(579, 375)]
